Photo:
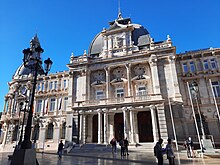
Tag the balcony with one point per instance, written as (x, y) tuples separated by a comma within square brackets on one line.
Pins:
[(118, 100)]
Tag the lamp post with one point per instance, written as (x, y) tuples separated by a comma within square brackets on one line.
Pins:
[(34, 63), (194, 116), (195, 90), (31, 61), (22, 126)]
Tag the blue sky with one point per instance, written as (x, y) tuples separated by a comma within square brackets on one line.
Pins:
[(65, 26)]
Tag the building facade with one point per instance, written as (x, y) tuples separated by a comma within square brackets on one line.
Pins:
[(127, 85)]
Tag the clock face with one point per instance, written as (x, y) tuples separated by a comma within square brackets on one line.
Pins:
[(23, 90)]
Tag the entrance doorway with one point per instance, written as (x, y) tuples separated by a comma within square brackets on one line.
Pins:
[(119, 126), (145, 126), (95, 129)]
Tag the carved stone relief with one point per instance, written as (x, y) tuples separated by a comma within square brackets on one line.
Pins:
[(119, 73), (98, 76)]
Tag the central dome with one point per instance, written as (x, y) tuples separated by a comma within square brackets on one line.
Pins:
[(139, 35)]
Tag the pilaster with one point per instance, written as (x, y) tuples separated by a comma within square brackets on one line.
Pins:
[(107, 73), (128, 69), (69, 123), (154, 124), (126, 122), (100, 127), (162, 121), (106, 140), (154, 74)]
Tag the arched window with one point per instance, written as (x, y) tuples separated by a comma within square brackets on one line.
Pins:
[(35, 133), (50, 131), (63, 130), (15, 133)]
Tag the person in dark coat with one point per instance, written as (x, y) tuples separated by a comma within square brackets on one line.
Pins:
[(122, 144), (113, 142), (170, 153), (126, 145), (159, 151), (60, 149)]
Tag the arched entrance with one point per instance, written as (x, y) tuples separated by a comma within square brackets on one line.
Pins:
[(119, 126), (95, 129), (145, 126)]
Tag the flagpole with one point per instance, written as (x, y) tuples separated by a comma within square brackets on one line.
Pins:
[(216, 105), (194, 116), (174, 131)]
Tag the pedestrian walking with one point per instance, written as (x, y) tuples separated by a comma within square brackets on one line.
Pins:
[(60, 149), (159, 151), (113, 142), (170, 153), (122, 144), (189, 147), (126, 143)]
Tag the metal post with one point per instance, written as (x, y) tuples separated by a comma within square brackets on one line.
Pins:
[(26, 144), (194, 116), (200, 118), (216, 105), (173, 126)]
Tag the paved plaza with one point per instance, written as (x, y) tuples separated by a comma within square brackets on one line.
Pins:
[(96, 157)]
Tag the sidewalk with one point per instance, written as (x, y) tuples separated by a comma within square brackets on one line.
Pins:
[(142, 157)]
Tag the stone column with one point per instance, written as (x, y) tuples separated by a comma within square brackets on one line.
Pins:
[(100, 127), (69, 123), (132, 127), (154, 74), (128, 70), (174, 76), (71, 95), (162, 122), (136, 136), (106, 139), (88, 74), (126, 123), (111, 126), (154, 124), (4, 109), (107, 74), (81, 128), (84, 129), (10, 104)]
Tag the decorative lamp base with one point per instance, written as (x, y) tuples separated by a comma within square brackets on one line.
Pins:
[(24, 157)]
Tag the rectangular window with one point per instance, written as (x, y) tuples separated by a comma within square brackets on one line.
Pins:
[(141, 91), (192, 66), (55, 84), (51, 85), (42, 86), (119, 92), (65, 103), (38, 87), (39, 105), (64, 84), (52, 104), (99, 94), (205, 65), (185, 68), (213, 64), (216, 88)]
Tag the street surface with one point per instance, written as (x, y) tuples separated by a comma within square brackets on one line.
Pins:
[(97, 158)]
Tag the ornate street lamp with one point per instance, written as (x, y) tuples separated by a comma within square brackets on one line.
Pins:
[(24, 109), (195, 90), (31, 61)]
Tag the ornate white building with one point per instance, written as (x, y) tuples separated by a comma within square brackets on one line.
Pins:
[(125, 86)]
